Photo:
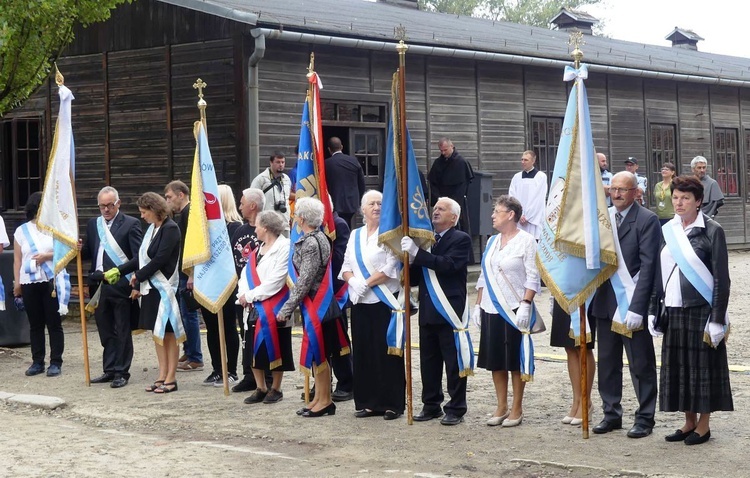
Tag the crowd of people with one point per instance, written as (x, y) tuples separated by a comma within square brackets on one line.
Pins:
[(672, 280)]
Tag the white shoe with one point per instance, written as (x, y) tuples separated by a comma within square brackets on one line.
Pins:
[(576, 421), (513, 423), (566, 420), (495, 421)]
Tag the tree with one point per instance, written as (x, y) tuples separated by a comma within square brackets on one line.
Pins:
[(33, 33), (530, 12)]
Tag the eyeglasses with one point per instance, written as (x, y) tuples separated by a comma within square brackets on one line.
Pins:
[(620, 190), (111, 206)]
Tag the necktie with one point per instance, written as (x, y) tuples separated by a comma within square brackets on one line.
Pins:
[(618, 219), (437, 238)]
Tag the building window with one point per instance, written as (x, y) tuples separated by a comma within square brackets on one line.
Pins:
[(545, 138), (21, 161), (663, 149), (726, 160)]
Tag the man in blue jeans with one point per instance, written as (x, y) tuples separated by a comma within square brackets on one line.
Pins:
[(177, 195)]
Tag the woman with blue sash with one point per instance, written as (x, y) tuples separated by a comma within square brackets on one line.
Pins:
[(155, 280), (372, 272), (262, 293), (505, 292), (693, 287), (34, 281)]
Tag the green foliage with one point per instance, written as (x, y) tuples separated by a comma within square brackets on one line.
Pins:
[(33, 33), (530, 12)]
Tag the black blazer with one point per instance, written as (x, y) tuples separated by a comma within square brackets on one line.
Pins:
[(339, 249), (346, 182), (639, 236), (164, 252), (127, 233), (449, 259)]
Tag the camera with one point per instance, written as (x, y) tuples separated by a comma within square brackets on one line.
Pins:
[(280, 206)]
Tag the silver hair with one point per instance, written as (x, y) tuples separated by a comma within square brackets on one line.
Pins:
[(696, 160), (371, 192), (454, 207), (255, 196), (109, 190), (632, 177), (274, 222), (310, 210)]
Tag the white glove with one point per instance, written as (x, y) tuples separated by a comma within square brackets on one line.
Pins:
[(357, 285), (523, 316), (354, 298), (476, 316), (716, 332), (651, 327), (551, 305), (633, 321), (408, 245)]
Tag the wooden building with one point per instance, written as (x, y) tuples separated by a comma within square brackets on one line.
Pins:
[(495, 88)]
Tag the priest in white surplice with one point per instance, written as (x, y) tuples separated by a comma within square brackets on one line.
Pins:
[(530, 188)]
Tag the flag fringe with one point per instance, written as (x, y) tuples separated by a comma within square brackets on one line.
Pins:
[(622, 329), (579, 250), (569, 305), (215, 307), (395, 351)]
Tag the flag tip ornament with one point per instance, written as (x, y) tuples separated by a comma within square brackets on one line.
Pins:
[(576, 41), (199, 85), (59, 78)]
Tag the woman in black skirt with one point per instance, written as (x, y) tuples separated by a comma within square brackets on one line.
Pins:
[(560, 337), (379, 374), (512, 261), (694, 372), (262, 291)]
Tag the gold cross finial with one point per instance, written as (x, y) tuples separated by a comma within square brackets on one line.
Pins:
[(576, 41), (199, 85), (399, 32)]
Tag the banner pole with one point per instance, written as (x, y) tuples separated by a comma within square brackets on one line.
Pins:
[(583, 354)]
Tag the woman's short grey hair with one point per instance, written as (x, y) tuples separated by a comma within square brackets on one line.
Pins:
[(310, 210), (453, 206), (365, 196), (697, 160), (255, 196), (512, 204), (274, 222)]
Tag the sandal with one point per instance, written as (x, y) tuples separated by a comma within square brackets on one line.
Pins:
[(165, 388), (154, 386)]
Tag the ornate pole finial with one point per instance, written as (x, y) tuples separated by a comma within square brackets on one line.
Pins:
[(311, 67), (576, 41), (59, 78), (399, 33), (199, 85)]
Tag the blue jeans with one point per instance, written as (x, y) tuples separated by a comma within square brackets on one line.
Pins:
[(190, 321)]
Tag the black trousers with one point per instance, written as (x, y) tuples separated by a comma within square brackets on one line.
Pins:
[(113, 317), (41, 310), (347, 216), (230, 334), (437, 347), (640, 352), (342, 365)]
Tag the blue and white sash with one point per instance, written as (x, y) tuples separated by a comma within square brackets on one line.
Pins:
[(43, 272), (113, 251), (396, 333), (506, 312), (2, 294), (623, 284), (169, 309), (464, 348), (694, 270)]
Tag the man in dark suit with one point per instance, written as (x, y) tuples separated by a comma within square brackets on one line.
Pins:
[(639, 235), (345, 179), (449, 259), (450, 176), (115, 309)]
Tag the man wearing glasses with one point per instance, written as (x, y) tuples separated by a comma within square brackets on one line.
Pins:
[(112, 239)]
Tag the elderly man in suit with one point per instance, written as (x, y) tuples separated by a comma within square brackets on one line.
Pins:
[(620, 306), (449, 259), (112, 239), (345, 179)]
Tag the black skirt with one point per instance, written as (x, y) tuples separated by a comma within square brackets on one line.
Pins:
[(149, 310), (560, 332), (379, 378), (694, 376), (499, 344), (260, 359)]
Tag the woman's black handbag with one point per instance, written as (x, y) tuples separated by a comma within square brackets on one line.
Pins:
[(662, 316)]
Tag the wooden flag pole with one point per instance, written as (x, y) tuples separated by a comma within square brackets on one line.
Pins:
[(583, 354), (404, 194)]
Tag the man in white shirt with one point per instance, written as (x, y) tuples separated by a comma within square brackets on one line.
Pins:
[(275, 184), (530, 188)]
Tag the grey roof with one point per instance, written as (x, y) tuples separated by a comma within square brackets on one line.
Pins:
[(377, 21), (575, 15), (686, 34)]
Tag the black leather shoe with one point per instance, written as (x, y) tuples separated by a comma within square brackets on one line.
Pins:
[(678, 435), (312, 395), (695, 439), (366, 413), (35, 369), (119, 382), (451, 419), (425, 416), (639, 431), (105, 378), (342, 396), (390, 415), (606, 426)]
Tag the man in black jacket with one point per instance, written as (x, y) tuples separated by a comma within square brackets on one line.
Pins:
[(345, 180), (119, 235), (450, 177)]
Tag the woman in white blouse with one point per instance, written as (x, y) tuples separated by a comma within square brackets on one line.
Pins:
[(379, 377), (511, 260), (262, 293)]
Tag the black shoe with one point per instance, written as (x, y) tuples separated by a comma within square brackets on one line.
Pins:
[(451, 419), (245, 385), (302, 411), (35, 369), (54, 370), (366, 413), (606, 426), (312, 394), (695, 439), (119, 382), (273, 396), (639, 431), (425, 416), (341, 396), (105, 378), (257, 396), (329, 410), (390, 415), (679, 435)]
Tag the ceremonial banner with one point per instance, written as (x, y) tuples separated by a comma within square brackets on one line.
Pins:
[(57, 214), (207, 250), (576, 252)]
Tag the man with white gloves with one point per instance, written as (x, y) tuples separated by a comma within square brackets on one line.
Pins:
[(637, 231)]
